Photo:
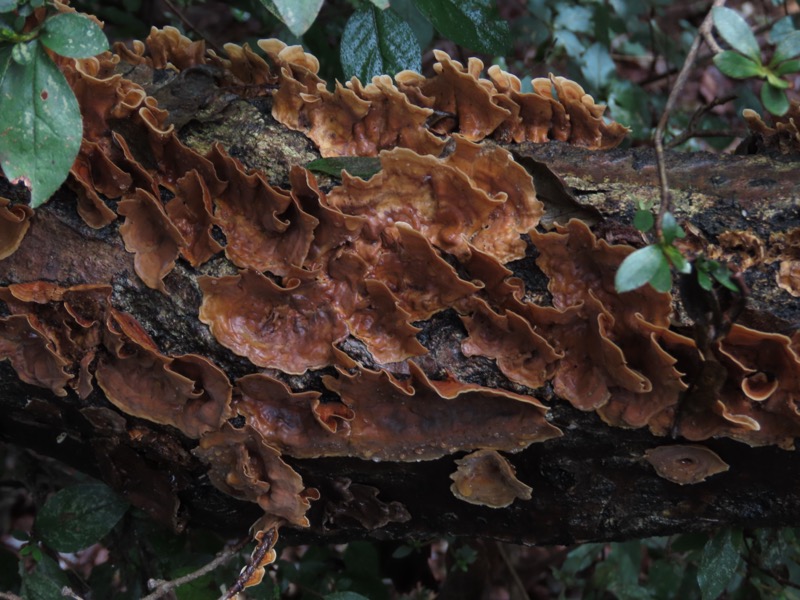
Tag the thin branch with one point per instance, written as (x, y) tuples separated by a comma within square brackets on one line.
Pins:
[(9, 596), (513, 571), (162, 588), (67, 592), (691, 129), (666, 199), (256, 559), (189, 25)]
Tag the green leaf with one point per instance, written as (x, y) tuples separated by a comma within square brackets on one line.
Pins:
[(23, 53), (677, 259), (470, 23), (670, 228), (704, 279), (416, 20), (735, 30), (378, 42), (73, 35), (380, 4), (345, 596), (7, 5), (723, 275), (785, 68), (639, 267), (78, 516), (718, 565), (781, 29), (358, 166), (643, 220), (788, 47), (736, 65), (776, 81), (298, 15), (774, 100), (598, 66), (44, 582), (661, 281), (40, 124)]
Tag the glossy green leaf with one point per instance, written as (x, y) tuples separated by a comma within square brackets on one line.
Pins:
[(788, 47), (598, 66), (643, 220), (380, 4), (670, 228), (416, 20), (7, 5), (79, 516), (298, 15), (737, 65), (774, 99), (469, 23), (44, 582), (723, 275), (718, 564), (788, 67), (378, 42), (639, 267), (40, 124), (73, 35), (358, 166), (735, 30)]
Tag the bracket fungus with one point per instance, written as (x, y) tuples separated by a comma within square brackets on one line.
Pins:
[(685, 464), (323, 268), (486, 478)]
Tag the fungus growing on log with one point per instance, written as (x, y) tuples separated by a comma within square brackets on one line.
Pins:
[(487, 479), (14, 223), (685, 464)]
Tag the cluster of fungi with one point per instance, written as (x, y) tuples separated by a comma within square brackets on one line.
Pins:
[(433, 230)]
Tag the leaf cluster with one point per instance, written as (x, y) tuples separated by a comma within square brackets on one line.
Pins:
[(40, 120), (744, 60)]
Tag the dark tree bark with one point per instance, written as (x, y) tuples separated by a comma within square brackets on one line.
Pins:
[(592, 483)]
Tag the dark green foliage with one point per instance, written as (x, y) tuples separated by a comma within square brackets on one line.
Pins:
[(78, 516), (377, 42)]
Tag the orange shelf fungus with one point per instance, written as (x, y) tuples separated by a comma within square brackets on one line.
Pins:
[(685, 464), (486, 478)]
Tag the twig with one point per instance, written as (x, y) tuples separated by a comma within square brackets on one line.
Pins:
[(691, 130), (256, 559), (189, 25), (9, 596), (162, 588), (513, 571), (666, 199), (67, 592)]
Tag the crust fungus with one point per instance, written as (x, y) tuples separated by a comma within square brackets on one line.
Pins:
[(14, 222), (783, 135), (32, 355), (486, 478), (685, 464)]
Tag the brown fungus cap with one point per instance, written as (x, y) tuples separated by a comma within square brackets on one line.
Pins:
[(32, 355), (14, 222), (290, 328), (151, 236), (190, 211), (433, 198), (486, 478), (685, 464), (243, 465)]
